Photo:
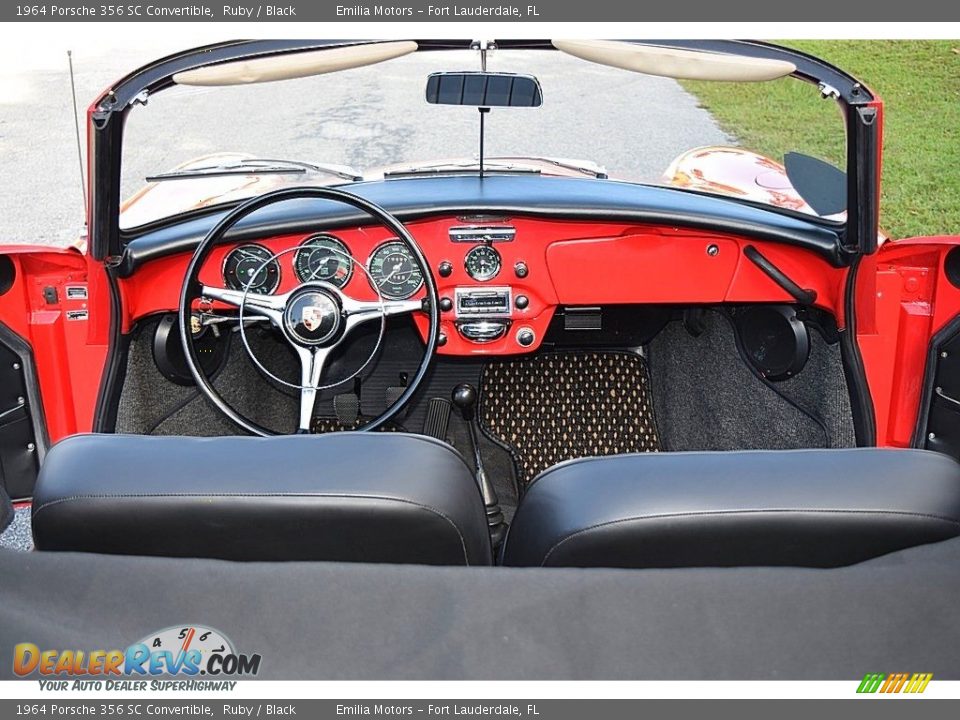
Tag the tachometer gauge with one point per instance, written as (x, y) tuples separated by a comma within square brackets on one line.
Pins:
[(250, 266), (482, 262), (395, 271), (323, 257)]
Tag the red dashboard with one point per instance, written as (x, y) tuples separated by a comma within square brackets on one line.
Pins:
[(540, 265)]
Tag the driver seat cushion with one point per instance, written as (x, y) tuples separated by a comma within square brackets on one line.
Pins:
[(351, 497), (807, 508)]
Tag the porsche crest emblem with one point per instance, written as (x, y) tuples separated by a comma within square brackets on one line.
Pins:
[(312, 317)]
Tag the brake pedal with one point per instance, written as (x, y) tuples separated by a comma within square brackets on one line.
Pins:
[(393, 393), (438, 418)]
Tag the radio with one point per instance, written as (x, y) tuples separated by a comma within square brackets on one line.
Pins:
[(489, 302)]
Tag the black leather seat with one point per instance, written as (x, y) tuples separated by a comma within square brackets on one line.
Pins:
[(377, 497), (813, 508)]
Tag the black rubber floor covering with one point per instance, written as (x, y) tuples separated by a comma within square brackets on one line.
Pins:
[(561, 406)]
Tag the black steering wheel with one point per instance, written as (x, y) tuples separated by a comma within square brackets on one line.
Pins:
[(314, 318)]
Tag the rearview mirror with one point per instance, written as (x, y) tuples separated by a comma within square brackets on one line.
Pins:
[(483, 89)]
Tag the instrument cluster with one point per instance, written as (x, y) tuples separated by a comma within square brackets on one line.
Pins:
[(494, 296), (390, 269)]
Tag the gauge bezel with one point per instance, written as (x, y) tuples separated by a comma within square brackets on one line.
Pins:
[(332, 238), (485, 277), (413, 259), (273, 259)]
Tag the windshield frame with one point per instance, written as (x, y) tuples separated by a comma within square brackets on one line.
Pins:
[(862, 112)]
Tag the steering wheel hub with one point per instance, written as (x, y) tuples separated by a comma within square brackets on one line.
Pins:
[(312, 317)]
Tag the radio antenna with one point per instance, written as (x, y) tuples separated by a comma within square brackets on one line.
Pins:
[(76, 127)]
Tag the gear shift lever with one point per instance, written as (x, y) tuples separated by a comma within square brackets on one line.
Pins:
[(464, 398)]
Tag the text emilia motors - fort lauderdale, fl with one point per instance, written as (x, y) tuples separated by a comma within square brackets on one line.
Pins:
[(497, 11)]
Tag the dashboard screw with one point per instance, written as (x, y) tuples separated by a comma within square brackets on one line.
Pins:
[(932, 436), (20, 400), (16, 366), (31, 447), (713, 250)]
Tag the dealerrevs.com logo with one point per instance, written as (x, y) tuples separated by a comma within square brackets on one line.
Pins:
[(181, 651)]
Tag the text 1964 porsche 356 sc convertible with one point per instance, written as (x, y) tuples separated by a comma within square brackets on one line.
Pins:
[(718, 376)]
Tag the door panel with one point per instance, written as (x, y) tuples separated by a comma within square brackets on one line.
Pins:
[(913, 347), (52, 350)]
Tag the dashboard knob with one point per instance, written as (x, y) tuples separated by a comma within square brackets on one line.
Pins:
[(522, 301), (442, 340), (446, 304), (445, 268), (525, 337), (520, 269)]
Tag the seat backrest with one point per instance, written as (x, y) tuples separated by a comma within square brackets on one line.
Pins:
[(811, 508), (367, 497)]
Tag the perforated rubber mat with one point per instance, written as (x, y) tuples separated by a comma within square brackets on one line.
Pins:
[(561, 406)]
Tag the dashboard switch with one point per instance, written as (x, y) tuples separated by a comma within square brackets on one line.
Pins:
[(522, 301), (525, 337), (445, 268), (520, 269), (446, 304)]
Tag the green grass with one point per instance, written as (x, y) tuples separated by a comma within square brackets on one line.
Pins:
[(919, 82)]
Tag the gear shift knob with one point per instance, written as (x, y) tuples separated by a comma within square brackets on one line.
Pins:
[(464, 398)]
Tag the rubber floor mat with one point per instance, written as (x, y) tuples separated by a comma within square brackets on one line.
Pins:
[(561, 406)]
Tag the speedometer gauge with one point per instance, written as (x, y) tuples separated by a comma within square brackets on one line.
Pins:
[(251, 267), (394, 271), (323, 257)]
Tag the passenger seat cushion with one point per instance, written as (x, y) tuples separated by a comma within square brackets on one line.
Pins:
[(366, 497), (813, 508)]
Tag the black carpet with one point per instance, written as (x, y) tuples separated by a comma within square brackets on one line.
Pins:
[(707, 398)]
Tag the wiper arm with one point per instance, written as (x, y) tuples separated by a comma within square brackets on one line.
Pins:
[(455, 168), (591, 170), (257, 166)]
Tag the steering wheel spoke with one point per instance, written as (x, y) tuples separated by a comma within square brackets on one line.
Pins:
[(361, 311), (312, 363), (268, 306)]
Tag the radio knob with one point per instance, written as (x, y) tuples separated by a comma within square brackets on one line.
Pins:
[(445, 269), (446, 304), (525, 337), (522, 301)]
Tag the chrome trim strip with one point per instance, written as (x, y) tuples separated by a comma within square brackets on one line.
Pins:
[(482, 233)]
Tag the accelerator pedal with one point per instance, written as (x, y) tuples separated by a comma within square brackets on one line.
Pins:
[(438, 418)]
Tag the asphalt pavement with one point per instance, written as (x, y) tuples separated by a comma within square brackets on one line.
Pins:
[(632, 124)]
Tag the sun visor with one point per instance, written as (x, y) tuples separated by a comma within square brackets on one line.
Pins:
[(676, 63), (294, 65)]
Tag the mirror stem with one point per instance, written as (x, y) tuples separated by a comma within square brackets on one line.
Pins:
[(483, 114)]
